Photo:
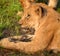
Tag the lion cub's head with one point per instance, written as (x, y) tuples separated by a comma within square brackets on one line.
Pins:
[(31, 19), (32, 16)]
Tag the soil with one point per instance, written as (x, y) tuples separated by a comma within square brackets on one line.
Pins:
[(6, 52)]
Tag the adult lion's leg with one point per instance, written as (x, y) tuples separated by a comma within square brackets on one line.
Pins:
[(27, 47)]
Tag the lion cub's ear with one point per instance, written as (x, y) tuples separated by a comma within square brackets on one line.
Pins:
[(26, 3), (43, 12)]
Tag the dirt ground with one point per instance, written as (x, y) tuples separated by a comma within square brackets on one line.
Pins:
[(6, 52)]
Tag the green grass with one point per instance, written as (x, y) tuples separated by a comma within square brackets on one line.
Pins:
[(9, 18)]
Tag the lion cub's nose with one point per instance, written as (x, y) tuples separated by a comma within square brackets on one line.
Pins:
[(20, 22)]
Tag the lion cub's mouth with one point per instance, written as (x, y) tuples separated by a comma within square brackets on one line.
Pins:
[(26, 35), (28, 31)]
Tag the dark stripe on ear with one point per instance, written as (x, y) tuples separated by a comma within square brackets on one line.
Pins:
[(43, 11), (58, 19)]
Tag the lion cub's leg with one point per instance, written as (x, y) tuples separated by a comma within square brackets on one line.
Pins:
[(53, 3), (55, 44)]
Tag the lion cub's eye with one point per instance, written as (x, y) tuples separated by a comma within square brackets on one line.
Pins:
[(28, 16)]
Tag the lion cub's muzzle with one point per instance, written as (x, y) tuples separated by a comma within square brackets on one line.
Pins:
[(26, 35), (27, 31)]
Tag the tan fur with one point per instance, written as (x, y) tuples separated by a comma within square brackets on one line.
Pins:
[(26, 3), (46, 23)]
